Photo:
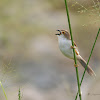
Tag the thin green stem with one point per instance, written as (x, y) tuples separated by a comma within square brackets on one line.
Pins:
[(3, 90), (19, 94), (88, 61), (75, 60)]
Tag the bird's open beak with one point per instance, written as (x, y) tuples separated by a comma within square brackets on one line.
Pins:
[(59, 33)]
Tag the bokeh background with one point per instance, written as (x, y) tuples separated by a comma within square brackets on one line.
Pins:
[(29, 54)]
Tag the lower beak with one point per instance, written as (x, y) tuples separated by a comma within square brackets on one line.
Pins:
[(57, 34)]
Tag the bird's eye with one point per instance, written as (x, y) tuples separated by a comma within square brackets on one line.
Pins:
[(63, 32)]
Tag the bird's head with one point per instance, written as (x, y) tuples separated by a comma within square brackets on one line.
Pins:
[(63, 33)]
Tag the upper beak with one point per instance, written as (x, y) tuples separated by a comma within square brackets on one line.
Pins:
[(59, 33)]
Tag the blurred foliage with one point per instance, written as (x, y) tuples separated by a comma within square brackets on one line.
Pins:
[(74, 5), (27, 39), (22, 20)]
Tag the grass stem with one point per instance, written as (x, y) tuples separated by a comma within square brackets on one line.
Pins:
[(75, 60), (3, 90), (19, 94), (88, 61)]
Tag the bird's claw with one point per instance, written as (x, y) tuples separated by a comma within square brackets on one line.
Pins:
[(76, 65), (72, 47)]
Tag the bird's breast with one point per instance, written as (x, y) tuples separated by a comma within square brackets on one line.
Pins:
[(65, 47)]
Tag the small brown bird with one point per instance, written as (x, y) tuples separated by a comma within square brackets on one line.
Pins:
[(66, 48)]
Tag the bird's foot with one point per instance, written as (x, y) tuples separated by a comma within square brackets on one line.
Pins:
[(76, 65), (73, 47)]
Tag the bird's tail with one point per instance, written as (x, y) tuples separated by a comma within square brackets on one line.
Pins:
[(84, 64)]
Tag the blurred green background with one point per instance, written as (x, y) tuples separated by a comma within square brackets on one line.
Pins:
[(29, 54)]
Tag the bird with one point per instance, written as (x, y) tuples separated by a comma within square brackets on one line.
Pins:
[(65, 46)]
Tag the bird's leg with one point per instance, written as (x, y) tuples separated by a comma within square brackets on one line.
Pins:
[(76, 65), (73, 47), (75, 50)]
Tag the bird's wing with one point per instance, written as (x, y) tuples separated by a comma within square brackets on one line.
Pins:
[(76, 51), (75, 44)]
